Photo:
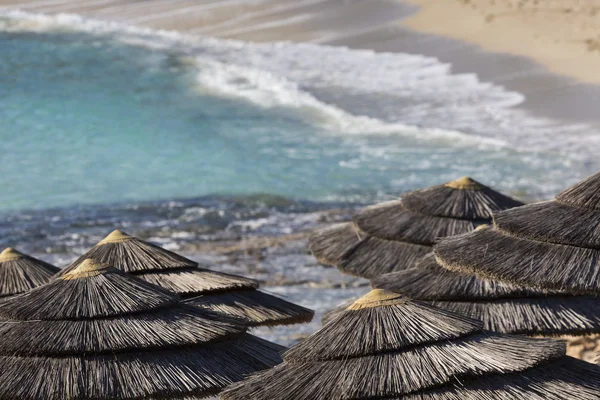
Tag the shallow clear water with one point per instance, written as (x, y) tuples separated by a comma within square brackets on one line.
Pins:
[(89, 119)]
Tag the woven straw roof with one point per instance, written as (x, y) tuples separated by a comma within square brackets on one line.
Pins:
[(386, 346), (553, 244), (501, 306), (99, 333), (393, 235), (20, 272), (183, 276)]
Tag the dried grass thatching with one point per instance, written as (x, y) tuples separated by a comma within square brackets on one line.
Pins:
[(328, 245), (564, 379), (491, 254), (427, 280), (393, 221), (254, 306), (501, 306), (98, 333), (393, 235), (233, 295), (385, 346), (463, 198), (373, 256), (553, 244), (20, 272)]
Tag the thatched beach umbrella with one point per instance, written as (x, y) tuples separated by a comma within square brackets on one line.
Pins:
[(224, 293), (98, 333), (392, 236), (552, 244), (502, 307), (20, 272), (385, 346)]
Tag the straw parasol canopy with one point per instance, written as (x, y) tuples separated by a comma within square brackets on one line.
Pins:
[(393, 235), (20, 272), (228, 294), (385, 346), (502, 307), (98, 333), (552, 244)]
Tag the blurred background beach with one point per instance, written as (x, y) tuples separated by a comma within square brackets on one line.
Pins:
[(229, 129)]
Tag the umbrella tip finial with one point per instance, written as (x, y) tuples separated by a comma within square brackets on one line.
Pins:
[(465, 183), (377, 298), (115, 236), (86, 269), (9, 254)]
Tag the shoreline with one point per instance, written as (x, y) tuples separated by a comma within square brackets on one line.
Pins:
[(406, 26)]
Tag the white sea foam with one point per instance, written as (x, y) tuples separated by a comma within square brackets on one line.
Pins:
[(350, 92)]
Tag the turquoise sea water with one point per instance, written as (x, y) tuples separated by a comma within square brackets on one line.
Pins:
[(89, 119)]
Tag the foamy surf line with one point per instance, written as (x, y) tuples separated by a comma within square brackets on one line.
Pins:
[(284, 76)]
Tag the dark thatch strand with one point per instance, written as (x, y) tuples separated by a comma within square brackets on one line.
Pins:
[(255, 307), (99, 333), (429, 281), (228, 294), (554, 222), (82, 294), (176, 326), (393, 374), (463, 198), (131, 254), (390, 220), (566, 378), (386, 346), (161, 374), (20, 272), (583, 194), (492, 255), (421, 324), (502, 307), (102, 293), (334, 312), (391, 236), (191, 281), (328, 245), (373, 256), (569, 315)]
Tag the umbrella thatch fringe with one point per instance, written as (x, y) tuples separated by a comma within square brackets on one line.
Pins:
[(429, 281), (583, 194), (395, 374), (463, 198), (334, 312), (177, 326), (576, 315), (189, 371), (490, 254), (20, 272), (392, 221), (566, 378), (554, 222), (420, 324), (328, 245), (255, 307), (194, 281), (131, 254), (372, 257), (110, 293)]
